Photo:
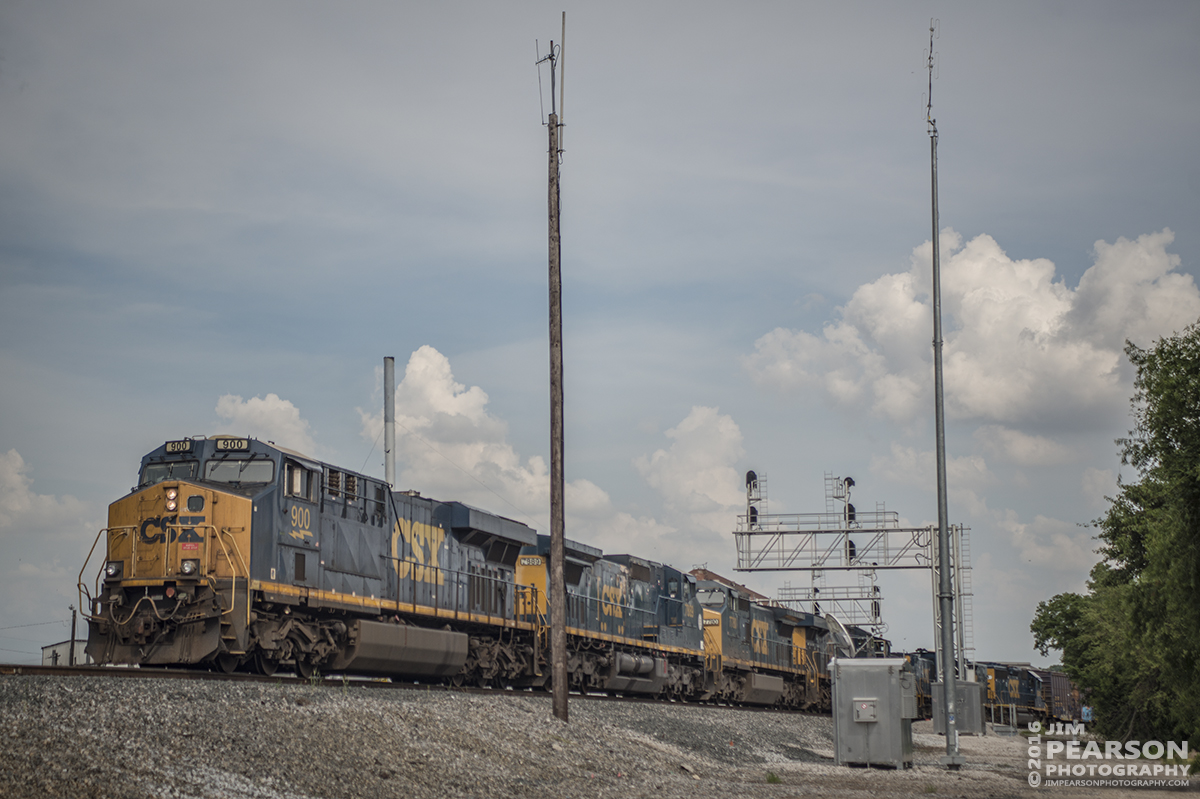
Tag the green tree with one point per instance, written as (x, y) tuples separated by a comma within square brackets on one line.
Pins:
[(1133, 641)]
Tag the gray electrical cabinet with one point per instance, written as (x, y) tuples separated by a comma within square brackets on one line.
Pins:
[(874, 703), (968, 710)]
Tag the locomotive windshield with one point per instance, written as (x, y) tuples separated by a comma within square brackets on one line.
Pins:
[(240, 471), (711, 597), (178, 470)]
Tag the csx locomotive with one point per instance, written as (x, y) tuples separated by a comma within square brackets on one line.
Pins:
[(1016, 693), (234, 553)]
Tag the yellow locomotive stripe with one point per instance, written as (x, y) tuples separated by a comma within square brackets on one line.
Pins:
[(382, 605)]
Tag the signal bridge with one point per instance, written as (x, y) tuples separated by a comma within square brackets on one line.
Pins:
[(843, 539), (825, 541)]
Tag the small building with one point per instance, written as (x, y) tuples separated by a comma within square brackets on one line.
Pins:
[(60, 654)]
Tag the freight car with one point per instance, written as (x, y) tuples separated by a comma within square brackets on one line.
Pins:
[(1015, 693), (233, 553)]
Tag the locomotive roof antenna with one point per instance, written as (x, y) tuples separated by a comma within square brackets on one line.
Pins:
[(558, 585), (953, 760)]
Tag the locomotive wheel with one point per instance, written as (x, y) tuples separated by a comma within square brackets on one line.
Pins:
[(227, 662), (266, 666), (304, 668)]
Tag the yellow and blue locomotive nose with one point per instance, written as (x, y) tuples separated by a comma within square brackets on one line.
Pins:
[(175, 530), (176, 555)]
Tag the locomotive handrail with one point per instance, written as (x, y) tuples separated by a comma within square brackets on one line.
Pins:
[(245, 570), (80, 586), (508, 611)]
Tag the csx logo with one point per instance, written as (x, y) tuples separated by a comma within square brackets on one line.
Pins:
[(425, 543), (166, 524), (610, 597), (758, 636)]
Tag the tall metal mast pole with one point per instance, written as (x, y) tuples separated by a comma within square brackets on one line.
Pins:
[(953, 759), (558, 586)]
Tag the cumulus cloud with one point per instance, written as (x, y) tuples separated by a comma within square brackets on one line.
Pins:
[(46, 540), (966, 476), (913, 467), (695, 476), (1050, 543), (22, 510), (1020, 346), (269, 418), (450, 446), (1020, 448)]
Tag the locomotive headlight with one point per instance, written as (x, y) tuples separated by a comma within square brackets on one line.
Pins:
[(172, 493), (172, 499), (113, 569), (189, 567)]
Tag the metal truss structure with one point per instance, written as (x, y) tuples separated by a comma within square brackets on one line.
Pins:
[(843, 539), (860, 605)]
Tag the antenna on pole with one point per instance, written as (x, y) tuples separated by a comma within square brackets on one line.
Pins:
[(934, 32), (946, 661), (558, 73), (562, 79), (551, 57)]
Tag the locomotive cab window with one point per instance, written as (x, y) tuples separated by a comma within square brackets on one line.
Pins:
[(299, 482), (173, 470), (239, 471)]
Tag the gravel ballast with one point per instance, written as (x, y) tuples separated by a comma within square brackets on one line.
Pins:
[(137, 737)]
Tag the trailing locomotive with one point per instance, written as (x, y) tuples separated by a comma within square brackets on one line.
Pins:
[(233, 553), (1016, 693)]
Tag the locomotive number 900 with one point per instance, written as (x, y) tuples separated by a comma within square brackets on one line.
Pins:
[(301, 522)]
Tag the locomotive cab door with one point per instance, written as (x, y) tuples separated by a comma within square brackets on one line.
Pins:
[(298, 560), (675, 598)]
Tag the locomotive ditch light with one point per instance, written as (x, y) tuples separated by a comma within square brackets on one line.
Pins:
[(114, 569), (189, 566)]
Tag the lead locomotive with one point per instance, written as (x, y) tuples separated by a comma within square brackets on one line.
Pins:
[(234, 553)]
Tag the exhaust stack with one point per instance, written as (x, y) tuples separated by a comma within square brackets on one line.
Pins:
[(389, 421)]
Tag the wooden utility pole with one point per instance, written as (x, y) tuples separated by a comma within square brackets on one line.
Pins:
[(558, 585)]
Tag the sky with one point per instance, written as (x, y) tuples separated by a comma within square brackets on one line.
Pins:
[(220, 217)]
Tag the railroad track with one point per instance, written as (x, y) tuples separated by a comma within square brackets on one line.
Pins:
[(7, 669)]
